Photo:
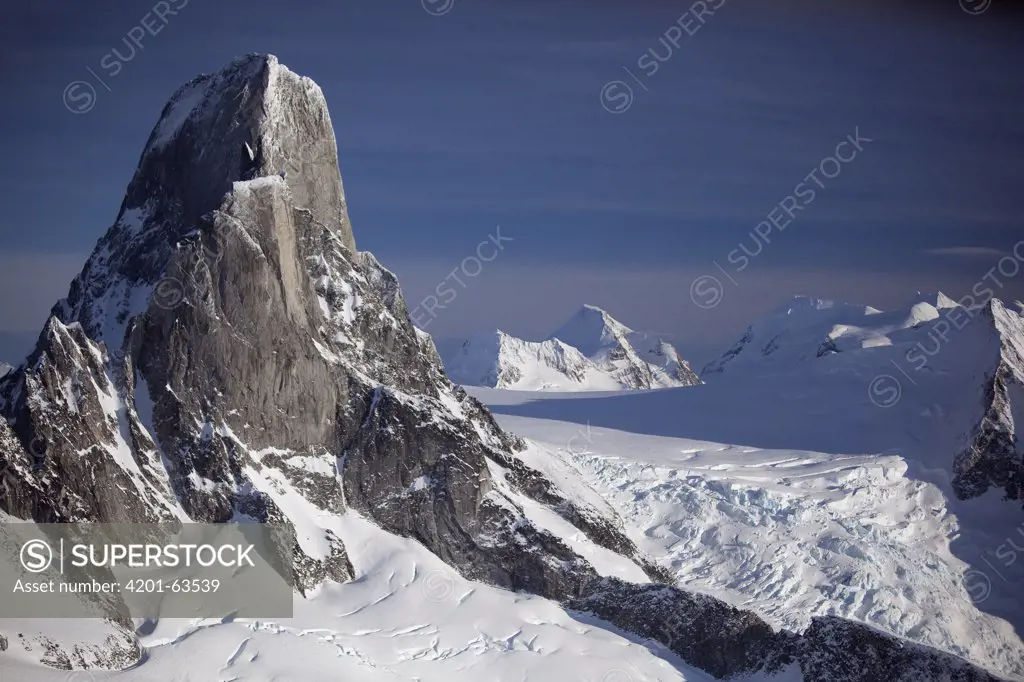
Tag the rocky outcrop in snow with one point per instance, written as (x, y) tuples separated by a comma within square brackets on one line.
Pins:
[(591, 352), (730, 643), (722, 640), (842, 651), (994, 455)]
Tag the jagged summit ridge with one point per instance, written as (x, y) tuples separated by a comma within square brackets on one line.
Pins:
[(591, 329), (805, 328), (591, 351), (253, 118), (500, 360), (635, 359)]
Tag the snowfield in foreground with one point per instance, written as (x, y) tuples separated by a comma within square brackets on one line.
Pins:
[(787, 533), (407, 616)]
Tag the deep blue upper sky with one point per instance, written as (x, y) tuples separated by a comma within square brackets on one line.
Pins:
[(491, 115)]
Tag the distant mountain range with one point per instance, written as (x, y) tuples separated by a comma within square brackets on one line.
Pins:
[(923, 348), (592, 351), (806, 328)]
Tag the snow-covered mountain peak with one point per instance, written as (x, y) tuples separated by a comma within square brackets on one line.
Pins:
[(591, 329), (936, 299), (253, 118), (500, 360), (592, 351), (806, 328)]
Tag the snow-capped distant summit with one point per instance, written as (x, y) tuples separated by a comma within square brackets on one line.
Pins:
[(591, 329), (806, 328), (936, 299), (499, 360), (635, 359), (592, 351), (981, 346)]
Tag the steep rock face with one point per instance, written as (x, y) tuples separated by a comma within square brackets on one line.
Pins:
[(722, 640), (840, 651), (225, 347), (993, 456), (254, 118)]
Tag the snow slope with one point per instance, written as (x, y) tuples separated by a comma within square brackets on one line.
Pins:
[(592, 351), (406, 616), (931, 345), (802, 498), (806, 328), (789, 533)]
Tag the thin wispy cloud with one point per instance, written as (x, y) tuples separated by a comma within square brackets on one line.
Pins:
[(967, 252)]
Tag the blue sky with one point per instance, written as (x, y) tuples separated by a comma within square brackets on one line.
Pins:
[(491, 114)]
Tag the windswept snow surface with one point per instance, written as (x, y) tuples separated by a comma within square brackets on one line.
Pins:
[(806, 328), (407, 616), (798, 501)]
